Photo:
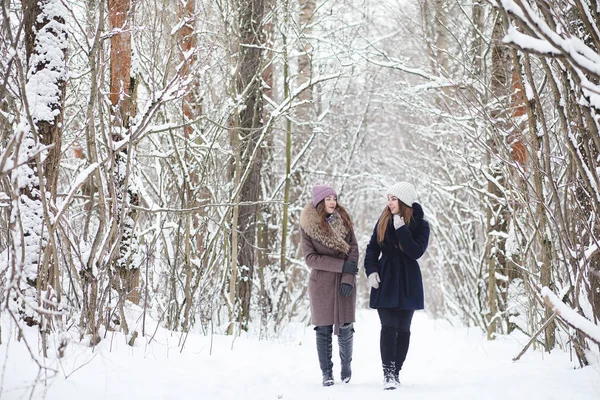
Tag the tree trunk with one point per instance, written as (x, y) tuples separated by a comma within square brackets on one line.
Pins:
[(250, 130), (477, 45), (193, 193), (268, 214), (121, 85), (45, 34), (497, 223), (542, 234), (122, 98), (89, 273), (305, 70), (302, 65)]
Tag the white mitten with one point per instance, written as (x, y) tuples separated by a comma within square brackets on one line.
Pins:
[(398, 221), (374, 280)]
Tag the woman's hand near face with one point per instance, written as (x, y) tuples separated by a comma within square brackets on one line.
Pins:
[(398, 221)]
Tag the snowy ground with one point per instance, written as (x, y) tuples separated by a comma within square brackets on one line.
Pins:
[(443, 363)]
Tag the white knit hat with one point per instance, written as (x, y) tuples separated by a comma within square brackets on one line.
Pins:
[(404, 191)]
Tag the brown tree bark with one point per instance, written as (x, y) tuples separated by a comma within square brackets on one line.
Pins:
[(121, 84), (250, 129), (122, 98)]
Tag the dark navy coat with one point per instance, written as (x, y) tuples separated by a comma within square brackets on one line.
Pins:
[(401, 285)]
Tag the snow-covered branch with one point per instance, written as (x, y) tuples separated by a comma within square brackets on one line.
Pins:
[(571, 316)]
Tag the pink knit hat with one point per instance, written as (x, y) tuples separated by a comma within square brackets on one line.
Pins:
[(319, 192)]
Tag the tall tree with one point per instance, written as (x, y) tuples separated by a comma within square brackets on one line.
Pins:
[(93, 269), (39, 136), (249, 132), (125, 196), (497, 215), (192, 193), (539, 169)]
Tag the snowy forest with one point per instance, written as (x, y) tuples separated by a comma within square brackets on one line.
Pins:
[(155, 157)]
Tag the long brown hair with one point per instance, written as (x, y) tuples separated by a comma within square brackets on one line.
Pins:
[(340, 209), (406, 212)]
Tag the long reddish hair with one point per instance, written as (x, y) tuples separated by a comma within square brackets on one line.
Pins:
[(405, 211), (340, 209)]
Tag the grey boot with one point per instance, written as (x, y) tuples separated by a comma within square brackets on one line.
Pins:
[(324, 350), (345, 342)]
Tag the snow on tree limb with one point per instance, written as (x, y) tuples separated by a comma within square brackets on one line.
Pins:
[(570, 316), (548, 41), (528, 43)]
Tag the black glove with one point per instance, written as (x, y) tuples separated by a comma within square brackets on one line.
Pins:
[(345, 290), (350, 267)]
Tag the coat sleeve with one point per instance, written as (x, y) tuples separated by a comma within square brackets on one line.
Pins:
[(352, 256), (319, 261), (372, 254), (414, 244)]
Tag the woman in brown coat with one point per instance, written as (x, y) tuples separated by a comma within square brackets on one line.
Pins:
[(331, 251)]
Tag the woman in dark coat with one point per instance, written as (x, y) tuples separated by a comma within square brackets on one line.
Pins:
[(331, 251), (400, 237)]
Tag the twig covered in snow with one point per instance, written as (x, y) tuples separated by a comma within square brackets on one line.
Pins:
[(571, 316)]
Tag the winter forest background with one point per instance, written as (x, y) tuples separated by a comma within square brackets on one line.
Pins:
[(155, 156)]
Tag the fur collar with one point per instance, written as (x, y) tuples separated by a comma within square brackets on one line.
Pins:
[(334, 239)]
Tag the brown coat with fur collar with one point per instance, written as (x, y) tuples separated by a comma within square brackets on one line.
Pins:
[(325, 253)]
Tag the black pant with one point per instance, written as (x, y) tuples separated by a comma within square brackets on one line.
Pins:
[(395, 336)]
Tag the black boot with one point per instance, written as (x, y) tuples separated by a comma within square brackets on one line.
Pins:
[(389, 381), (324, 350), (402, 343), (345, 342), (387, 346)]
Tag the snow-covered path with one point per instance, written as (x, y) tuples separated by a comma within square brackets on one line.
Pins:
[(443, 363)]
